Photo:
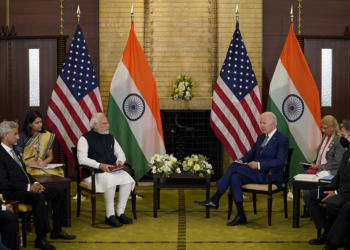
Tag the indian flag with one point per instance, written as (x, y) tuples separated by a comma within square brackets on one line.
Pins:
[(294, 99), (133, 108)]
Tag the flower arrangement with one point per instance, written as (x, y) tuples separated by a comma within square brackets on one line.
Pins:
[(197, 164), (183, 88), (166, 164)]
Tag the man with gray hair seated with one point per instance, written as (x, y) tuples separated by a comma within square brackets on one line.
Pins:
[(98, 149), (17, 184)]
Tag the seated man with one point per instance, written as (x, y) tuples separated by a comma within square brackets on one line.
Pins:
[(8, 219), (98, 149), (17, 184), (334, 199), (270, 150)]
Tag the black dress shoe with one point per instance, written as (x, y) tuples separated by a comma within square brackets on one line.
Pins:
[(318, 241), (43, 244), (124, 219), (306, 214), (237, 221), (61, 235), (330, 246), (112, 221), (208, 203)]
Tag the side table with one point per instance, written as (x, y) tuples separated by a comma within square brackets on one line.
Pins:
[(57, 181), (182, 180)]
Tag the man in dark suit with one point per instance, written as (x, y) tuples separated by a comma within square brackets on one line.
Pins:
[(17, 184), (270, 150), (334, 199), (8, 221)]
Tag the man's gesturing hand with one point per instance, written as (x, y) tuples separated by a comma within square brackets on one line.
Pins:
[(105, 167)]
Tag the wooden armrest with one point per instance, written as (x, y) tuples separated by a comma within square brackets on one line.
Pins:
[(275, 168), (132, 170), (11, 202)]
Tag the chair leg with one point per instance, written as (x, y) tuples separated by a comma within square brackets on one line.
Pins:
[(285, 192), (230, 200), (78, 202), (133, 203), (269, 208), (93, 206), (254, 202)]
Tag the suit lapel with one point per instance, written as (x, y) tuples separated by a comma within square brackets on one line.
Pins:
[(271, 141), (8, 156)]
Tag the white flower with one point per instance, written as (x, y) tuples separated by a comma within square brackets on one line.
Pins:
[(176, 97), (178, 170), (196, 167), (182, 87), (159, 159), (208, 171), (152, 160), (154, 171), (188, 93)]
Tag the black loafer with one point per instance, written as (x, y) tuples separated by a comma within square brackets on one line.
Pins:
[(124, 219), (208, 203), (112, 221), (318, 241), (61, 235), (43, 244), (237, 221), (305, 215)]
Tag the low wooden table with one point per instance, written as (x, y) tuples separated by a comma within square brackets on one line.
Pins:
[(57, 181), (297, 187), (178, 181)]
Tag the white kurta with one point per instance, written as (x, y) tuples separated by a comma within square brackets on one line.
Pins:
[(104, 180)]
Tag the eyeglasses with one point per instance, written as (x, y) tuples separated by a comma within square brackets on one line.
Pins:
[(324, 128)]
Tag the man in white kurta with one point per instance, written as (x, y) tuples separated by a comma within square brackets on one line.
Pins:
[(98, 149)]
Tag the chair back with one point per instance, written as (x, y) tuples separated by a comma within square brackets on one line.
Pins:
[(287, 165), (76, 165)]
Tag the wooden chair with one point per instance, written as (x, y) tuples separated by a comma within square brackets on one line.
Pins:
[(268, 189), (91, 188)]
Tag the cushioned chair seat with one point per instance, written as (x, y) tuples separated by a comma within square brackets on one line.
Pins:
[(85, 185), (261, 187)]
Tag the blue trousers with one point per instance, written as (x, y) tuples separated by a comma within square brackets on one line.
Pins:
[(236, 176)]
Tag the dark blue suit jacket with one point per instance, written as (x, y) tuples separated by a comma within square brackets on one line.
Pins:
[(274, 154)]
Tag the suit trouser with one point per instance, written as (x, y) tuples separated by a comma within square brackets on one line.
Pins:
[(37, 201), (341, 226), (236, 176), (8, 227), (333, 205)]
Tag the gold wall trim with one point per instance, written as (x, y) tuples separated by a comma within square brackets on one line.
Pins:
[(8, 13)]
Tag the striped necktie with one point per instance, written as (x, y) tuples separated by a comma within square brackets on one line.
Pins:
[(14, 156), (264, 143)]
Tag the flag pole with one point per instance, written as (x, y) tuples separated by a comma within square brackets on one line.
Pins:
[(132, 14), (78, 14), (237, 13), (291, 14)]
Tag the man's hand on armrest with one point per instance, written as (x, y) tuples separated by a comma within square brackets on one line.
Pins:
[(105, 167)]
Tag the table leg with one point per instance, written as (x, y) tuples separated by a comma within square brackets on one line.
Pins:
[(296, 206), (68, 205), (155, 198), (207, 196)]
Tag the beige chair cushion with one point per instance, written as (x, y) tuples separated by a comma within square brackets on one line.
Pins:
[(25, 207), (85, 185), (260, 187)]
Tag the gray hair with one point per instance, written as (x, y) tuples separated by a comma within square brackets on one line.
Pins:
[(346, 125), (6, 127), (272, 116), (95, 118)]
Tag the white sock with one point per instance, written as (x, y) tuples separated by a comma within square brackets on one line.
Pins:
[(124, 192), (109, 201)]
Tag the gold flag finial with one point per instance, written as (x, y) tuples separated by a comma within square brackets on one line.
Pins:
[(132, 14), (291, 14), (237, 13), (78, 14)]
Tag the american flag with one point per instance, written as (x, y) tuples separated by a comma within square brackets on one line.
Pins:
[(75, 97), (236, 106)]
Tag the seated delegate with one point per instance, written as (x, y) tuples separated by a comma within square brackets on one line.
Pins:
[(17, 184), (35, 144), (334, 199), (270, 150)]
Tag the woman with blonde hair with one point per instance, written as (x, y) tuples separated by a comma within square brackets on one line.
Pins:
[(329, 152)]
